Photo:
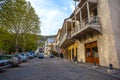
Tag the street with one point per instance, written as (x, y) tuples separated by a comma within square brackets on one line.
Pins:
[(51, 69)]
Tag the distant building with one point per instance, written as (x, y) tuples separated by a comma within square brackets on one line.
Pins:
[(57, 41), (49, 45)]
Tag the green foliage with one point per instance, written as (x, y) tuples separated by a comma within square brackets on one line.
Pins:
[(21, 23), (55, 53), (6, 41)]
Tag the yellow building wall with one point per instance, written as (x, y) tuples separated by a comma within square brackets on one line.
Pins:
[(74, 46)]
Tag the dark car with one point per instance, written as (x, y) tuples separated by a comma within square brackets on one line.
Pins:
[(41, 56), (51, 55), (30, 55)]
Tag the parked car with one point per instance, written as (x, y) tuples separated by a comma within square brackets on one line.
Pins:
[(51, 55), (3, 63), (19, 58), (13, 61), (24, 57), (30, 55), (41, 56), (35, 54)]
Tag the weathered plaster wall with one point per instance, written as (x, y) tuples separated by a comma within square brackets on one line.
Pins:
[(115, 19), (106, 42)]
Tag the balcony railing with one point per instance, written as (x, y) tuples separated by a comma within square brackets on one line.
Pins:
[(81, 26), (93, 1), (64, 38)]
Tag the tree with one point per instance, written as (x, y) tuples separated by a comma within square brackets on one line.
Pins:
[(31, 23), (18, 17), (6, 41)]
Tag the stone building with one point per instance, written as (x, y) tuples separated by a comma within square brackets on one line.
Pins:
[(92, 33), (49, 45)]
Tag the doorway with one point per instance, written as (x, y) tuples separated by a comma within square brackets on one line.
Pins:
[(91, 52)]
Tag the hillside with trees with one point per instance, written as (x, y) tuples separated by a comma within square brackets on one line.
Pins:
[(43, 39)]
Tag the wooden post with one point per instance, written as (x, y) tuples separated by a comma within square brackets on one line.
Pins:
[(88, 12), (80, 16)]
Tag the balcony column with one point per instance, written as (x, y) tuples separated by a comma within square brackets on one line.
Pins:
[(75, 24), (75, 21), (80, 19), (88, 12), (64, 29), (72, 26), (66, 26), (80, 16)]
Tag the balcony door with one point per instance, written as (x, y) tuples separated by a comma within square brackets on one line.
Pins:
[(91, 53)]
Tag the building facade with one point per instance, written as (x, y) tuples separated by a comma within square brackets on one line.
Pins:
[(57, 41), (92, 33), (49, 45)]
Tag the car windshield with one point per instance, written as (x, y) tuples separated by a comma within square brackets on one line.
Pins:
[(5, 57), (22, 54), (41, 54)]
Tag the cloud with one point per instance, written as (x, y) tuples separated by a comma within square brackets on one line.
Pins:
[(52, 14)]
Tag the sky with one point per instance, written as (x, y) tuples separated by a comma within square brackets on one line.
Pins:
[(52, 14)]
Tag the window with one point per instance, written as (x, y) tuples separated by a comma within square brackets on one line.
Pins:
[(95, 13), (95, 52), (87, 52)]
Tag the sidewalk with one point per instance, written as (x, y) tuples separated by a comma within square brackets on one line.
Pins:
[(99, 69)]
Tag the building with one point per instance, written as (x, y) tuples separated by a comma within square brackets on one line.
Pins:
[(57, 41), (49, 45), (92, 33)]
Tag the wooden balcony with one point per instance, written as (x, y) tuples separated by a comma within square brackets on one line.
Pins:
[(86, 27), (92, 1), (66, 40)]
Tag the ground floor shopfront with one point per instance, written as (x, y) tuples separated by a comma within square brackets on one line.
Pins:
[(90, 56), (91, 53), (72, 52), (93, 50)]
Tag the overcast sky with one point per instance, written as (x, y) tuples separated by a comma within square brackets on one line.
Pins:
[(52, 14)]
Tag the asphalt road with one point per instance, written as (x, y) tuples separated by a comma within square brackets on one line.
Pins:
[(51, 69)]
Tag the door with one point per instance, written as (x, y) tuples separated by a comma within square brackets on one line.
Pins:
[(72, 53), (95, 52), (76, 54), (88, 53), (91, 53)]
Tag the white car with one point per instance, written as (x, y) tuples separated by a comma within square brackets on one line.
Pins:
[(12, 59), (3, 63), (24, 57)]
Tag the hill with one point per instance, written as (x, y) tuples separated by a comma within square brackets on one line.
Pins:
[(43, 39)]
